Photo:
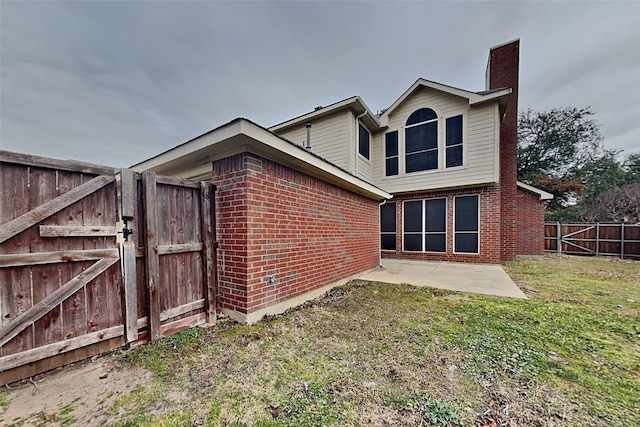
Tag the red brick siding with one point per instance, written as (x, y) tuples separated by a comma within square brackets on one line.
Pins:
[(276, 222), (503, 72), (489, 226), (530, 224)]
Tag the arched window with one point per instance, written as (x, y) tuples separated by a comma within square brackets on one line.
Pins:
[(421, 141)]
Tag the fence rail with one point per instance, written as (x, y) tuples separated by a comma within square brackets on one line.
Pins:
[(607, 239), (72, 285)]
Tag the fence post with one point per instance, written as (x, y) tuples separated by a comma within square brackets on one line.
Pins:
[(152, 259), (127, 199), (622, 240), (558, 238), (597, 238)]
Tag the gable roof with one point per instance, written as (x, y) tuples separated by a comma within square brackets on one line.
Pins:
[(475, 98), (354, 103), (531, 189), (193, 159)]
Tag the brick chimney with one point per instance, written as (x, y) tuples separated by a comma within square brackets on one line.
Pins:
[(502, 71)]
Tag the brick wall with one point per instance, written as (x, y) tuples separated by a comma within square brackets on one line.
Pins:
[(503, 72), (283, 233), (489, 226), (530, 224)]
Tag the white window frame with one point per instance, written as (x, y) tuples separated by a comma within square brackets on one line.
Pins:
[(423, 233), (395, 232), (404, 128), (463, 144), (358, 141), (384, 154), (466, 232)]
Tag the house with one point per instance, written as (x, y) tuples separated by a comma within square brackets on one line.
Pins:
[(318, 199)]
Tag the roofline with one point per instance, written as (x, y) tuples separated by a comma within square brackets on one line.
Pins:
[(263, 141), (329, 109), (473, 97), (543, 194), (504, 44)]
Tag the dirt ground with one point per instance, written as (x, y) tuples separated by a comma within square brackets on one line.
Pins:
[(78, 394)]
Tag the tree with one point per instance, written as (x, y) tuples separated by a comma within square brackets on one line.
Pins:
[(561, 152), (557, 143), (617, 204)]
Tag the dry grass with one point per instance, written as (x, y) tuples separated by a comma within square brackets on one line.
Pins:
[(381, 354)]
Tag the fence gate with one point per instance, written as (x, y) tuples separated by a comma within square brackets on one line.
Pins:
[(74, 281), (611, 239), (175, 281), (60, 276)]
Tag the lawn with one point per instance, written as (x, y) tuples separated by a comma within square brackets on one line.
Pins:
[(380, 354)]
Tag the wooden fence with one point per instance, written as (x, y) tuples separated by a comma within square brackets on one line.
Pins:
[(621, 240), (74, 282)]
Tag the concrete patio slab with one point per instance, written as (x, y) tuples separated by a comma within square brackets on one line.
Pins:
[(488, 279)]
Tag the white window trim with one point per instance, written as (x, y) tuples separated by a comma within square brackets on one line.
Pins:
[(358, 142), (438, 150), (465, 232), (384, 155), (464, 143), (389, 232), (423, 233)]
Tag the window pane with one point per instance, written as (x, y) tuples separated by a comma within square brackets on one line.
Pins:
[(391, 166), (454, 156), (421, 137), (364, 141), (435, 242), (466, 242), (388, 242), (466, 216), (421, 115), (391, 144), (454, 130), (422, 161), (413, 242), (413, 216), (388, 217), (436, 218)]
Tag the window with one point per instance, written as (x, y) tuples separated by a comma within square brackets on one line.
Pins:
[(388, 227), (454, 141), (435, 225), (421, 141), (364, 141), (425, 225), (391, 153), (466, 239)]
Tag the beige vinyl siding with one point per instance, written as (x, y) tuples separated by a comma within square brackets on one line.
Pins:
[(480, 136), (329, 138)]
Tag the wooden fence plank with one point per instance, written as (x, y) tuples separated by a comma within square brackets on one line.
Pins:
[(182, 324), (182, 309), (152, 258), (44, 211), (168, 180), (53, 349), (77, 231), (179, 248), (18, 260), (38, 310), (207, 192), (45, 162), (130, 291)]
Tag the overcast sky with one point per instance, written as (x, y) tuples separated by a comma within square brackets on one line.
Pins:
[(115, 83)]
